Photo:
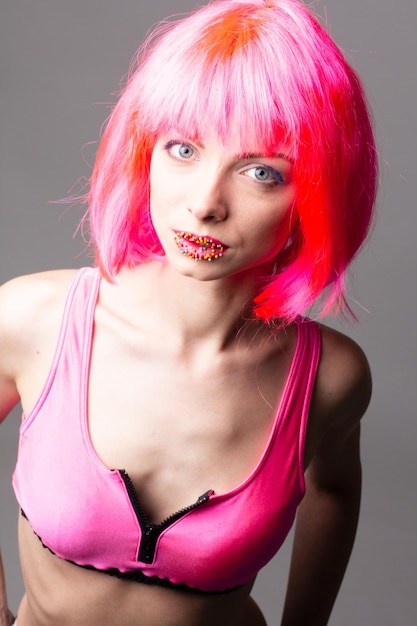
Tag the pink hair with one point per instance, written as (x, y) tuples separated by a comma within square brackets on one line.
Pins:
[(269, 69)]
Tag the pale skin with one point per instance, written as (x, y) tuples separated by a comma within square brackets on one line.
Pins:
[(180, 327)]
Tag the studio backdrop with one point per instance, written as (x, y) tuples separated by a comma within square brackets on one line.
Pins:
[(62, 64)]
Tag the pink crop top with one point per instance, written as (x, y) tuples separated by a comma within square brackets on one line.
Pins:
[(92, 516)]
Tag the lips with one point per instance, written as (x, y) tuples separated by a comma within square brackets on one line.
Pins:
[(199, 247)]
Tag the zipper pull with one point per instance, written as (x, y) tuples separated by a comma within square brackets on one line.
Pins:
[(150, 536), (205, 496)]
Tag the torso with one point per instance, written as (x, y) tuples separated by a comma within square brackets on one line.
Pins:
[(226, 413), (58, 592)]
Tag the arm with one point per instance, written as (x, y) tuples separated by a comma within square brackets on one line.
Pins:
[(9, 397), (9, 334), (6, 616), (327, 517), (30, 316)]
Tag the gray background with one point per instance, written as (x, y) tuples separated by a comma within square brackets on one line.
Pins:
[(61, 60)]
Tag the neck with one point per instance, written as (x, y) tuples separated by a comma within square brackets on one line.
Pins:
[(201, 315), (208, 309)]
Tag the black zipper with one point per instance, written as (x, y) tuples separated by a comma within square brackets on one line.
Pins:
[(150, 531)]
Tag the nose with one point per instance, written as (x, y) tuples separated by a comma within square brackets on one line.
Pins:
[(209, 202)]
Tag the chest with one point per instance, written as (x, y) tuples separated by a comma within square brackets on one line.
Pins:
[(178, 430)]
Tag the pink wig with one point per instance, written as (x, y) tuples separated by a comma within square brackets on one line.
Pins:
[(267, 68)]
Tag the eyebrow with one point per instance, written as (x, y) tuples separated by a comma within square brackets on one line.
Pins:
[(259, 155)]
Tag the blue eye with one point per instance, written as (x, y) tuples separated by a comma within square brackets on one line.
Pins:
[(185, 152), (179, 150), (266, 175)]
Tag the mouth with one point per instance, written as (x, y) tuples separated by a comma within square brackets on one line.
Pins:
[(199, 248)]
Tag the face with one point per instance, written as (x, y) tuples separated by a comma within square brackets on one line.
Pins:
[(218, 212)]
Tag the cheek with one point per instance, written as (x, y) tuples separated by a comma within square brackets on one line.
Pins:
[(271, 235), (157, 205), (165, 191), (159, 194), (159, 184), (278, 227)]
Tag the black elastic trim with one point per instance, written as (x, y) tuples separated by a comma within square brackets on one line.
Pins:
[(139, 577)]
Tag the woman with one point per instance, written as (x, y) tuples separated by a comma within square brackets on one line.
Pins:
[(177, 408)]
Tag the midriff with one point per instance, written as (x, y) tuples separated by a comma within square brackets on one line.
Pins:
[(58, 592)]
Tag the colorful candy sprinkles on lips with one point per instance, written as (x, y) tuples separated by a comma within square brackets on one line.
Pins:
[(198, 248)]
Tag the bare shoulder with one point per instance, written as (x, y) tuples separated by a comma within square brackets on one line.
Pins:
[(341, 396), (25, 296), (29, 306), (31, 310), (344, 382)]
